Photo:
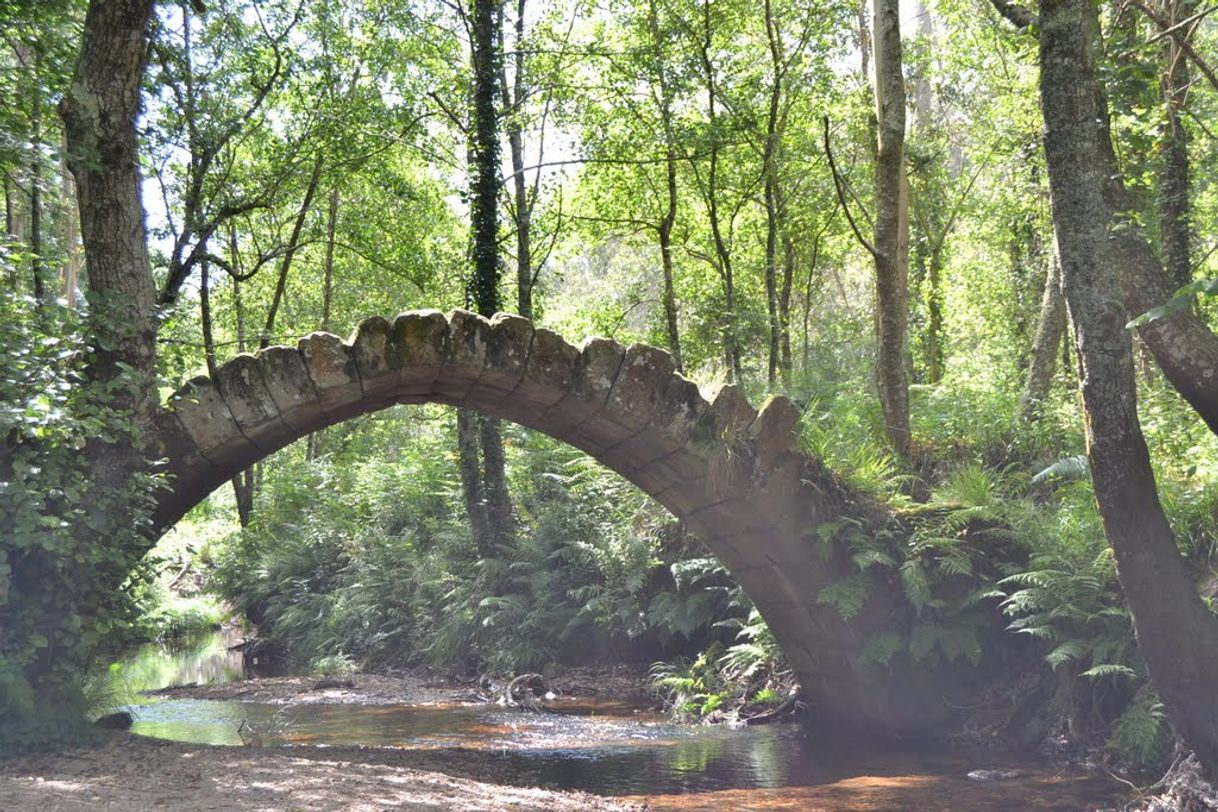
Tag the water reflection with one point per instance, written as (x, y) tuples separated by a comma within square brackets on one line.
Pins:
[(202, 660), (638, 755)]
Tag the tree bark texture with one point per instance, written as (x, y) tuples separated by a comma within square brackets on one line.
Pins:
[(1182, 344), (1176, 632), (99, 111), (773, 139), (891, 232), (484, 198), (471, 482), (71, 232), (479, 438)]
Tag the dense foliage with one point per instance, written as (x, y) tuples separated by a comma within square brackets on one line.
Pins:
[(57, 592)]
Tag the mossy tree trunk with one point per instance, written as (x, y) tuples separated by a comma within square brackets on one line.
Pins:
[(1176, 632)]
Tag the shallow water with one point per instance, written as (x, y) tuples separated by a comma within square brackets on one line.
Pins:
[(614, 749)]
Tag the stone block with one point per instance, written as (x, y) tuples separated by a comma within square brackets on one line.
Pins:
[(205, 416), (773, 430), (597, 367), (291, 389), (240, 382), (464, 357), (335, 376), (671, 423), (368, 345), (507, 354), (548, 376), (415, 352)]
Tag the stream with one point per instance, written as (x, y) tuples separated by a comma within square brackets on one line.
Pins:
[(606, 747)]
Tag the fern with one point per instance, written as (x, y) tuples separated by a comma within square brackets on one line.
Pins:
[(1064, 470), (846, 595), (1142, 735), (1110, 670)]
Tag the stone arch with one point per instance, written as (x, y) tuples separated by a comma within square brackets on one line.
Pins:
[(733, 474)]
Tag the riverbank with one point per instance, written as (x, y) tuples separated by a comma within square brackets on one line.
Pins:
[(135, 773), (628, 683), (131, 772)]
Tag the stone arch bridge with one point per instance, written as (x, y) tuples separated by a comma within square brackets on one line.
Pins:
[(733, 474)]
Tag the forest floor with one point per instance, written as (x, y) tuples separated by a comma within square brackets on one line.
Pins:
[(136, 773)]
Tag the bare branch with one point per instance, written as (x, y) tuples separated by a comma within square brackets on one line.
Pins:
[(839, 185)]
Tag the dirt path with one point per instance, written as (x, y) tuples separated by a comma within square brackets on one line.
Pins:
[(133, 773)]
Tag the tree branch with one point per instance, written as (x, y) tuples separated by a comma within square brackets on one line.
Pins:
[(1018, 15), (839, 186), (1182, 39)]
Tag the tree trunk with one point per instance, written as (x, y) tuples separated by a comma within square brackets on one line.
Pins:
[(293, 243), (665, 231), (669, 220), (501, 523), (1183, 344), (327, 290), (10, 225), (37, 261), (1049, 330), (784, 302), (313, 444), (891, 225), (484, 194), (99, 110), (487, 500), (471, 483), (71, 232), (731, 347), (514, 103), (1175, 224), (770, 172), (1176, 632), (934, 317)]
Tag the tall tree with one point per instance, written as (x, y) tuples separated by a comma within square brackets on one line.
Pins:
[(486, 492), (514, 99), (891, 231), (1177, 634), (721, 222)]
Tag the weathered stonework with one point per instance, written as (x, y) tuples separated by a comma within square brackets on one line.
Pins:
[(735, 475)]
